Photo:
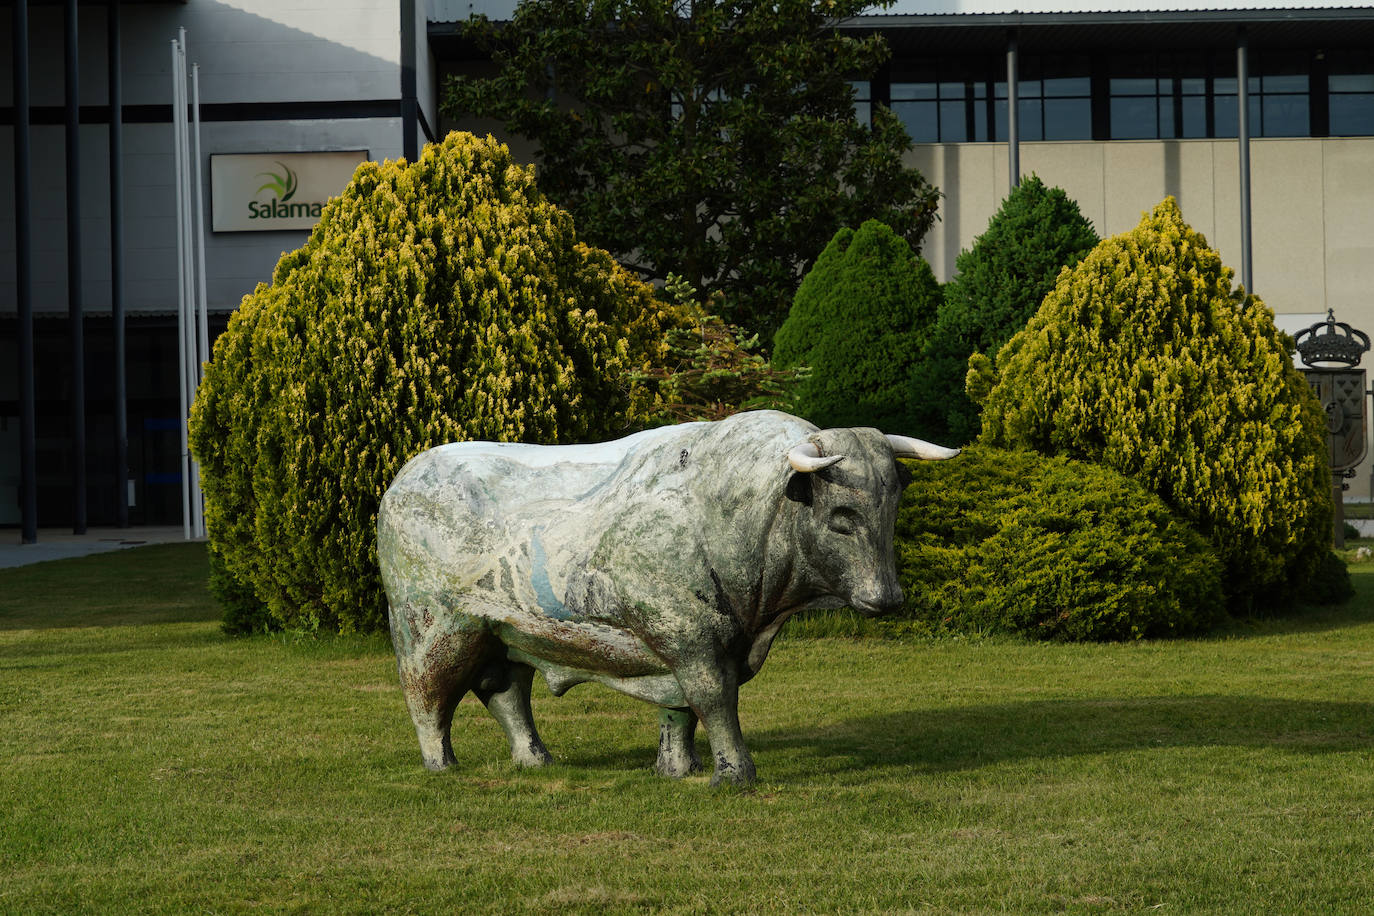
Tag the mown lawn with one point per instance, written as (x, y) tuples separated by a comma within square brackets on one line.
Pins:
[(150, 764)]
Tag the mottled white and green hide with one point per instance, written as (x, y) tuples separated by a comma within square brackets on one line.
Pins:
[(661, 565)]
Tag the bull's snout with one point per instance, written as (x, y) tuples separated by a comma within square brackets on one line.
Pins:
[(882, 598)]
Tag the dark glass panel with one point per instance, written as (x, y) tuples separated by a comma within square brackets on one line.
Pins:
[(1166, 117), (1285, 116), (1284, 83), (980, 120), (1028, 119), (1068, 87), (1133, 119), (1132, 86), (1351, 82), (1068, 119), (953, 122), (1224, 112), (1352, 115), (902, 92), (1194, 116), (919, 119)]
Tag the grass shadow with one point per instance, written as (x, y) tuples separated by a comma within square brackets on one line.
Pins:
[(163, 583), (969, 738), (1355, 611), (945, 739)]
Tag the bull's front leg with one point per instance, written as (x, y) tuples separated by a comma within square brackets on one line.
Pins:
[(712, 690)]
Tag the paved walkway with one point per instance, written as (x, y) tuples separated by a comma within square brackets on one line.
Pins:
[(61, 544)]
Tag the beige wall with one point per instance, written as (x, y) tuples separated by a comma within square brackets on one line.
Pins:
[(1312, 206)]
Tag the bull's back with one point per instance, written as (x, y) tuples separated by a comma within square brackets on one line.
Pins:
[(460, 521)]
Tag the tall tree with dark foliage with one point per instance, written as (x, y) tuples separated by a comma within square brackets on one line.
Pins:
[(715, 139)]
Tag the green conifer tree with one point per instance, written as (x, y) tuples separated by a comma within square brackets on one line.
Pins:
[(1000, 282), (858, 322), (1143, 358)]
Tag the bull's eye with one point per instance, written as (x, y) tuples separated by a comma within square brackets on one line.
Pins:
[(843, 521)]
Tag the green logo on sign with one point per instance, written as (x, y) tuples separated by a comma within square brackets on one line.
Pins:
[(284, 185)]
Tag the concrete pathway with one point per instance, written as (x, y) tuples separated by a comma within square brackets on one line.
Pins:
[(61, 544), (1365, 526)]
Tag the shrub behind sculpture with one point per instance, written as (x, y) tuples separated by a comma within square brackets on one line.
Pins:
[(1143, 358), (437, 301), (1015, 542), (999, 283), (858, 321)]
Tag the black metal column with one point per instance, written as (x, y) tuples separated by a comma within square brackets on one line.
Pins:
[(75, 313), (1013, 121), (23, 250), (410, 105), (121, 468)]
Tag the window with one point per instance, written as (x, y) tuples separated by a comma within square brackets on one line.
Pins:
[(916, 105), (1280, 103), (944, 101), (1350, 84), (1157, 96), (1145, 95), (963, 100), (1055, 98), (863, 101)]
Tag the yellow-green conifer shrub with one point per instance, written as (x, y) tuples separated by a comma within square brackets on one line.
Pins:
[(436, 301), (1143, 358), (1002, 541)]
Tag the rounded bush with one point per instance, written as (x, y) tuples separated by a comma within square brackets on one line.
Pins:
[(1143, 358), (858, 322), (1013, 542), (999, 283), (435, 301)]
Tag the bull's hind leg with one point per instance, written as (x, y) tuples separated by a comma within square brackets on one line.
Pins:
[(505, 689), (439, 658), (677, 745)]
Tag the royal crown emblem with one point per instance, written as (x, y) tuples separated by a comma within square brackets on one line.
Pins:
[(1331, 343)]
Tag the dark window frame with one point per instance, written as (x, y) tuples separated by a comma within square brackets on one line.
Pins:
[(1280, 105)]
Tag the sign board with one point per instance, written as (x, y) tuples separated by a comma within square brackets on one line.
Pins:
[(1342, 395), (269, 192)]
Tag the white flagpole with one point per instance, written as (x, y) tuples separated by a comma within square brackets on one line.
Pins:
[(202, 318), (178, 115)]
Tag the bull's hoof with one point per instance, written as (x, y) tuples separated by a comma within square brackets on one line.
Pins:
[(728, 774), (534, 755), (677, 767), (440, 764)]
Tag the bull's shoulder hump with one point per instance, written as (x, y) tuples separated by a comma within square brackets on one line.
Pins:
[(535, 457)]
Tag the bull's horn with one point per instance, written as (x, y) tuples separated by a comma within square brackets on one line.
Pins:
[(907, 447), (806, 458)]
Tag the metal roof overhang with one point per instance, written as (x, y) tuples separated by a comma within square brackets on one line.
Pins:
[(1071, 31), (973, 33)]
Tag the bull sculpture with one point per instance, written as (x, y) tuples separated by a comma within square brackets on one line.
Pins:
[(661, 565)]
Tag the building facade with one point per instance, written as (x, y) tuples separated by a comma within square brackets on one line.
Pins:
[(277, 78), (1120, 108)]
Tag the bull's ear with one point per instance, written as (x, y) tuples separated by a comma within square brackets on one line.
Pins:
[(904, 476), (799, 488)]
